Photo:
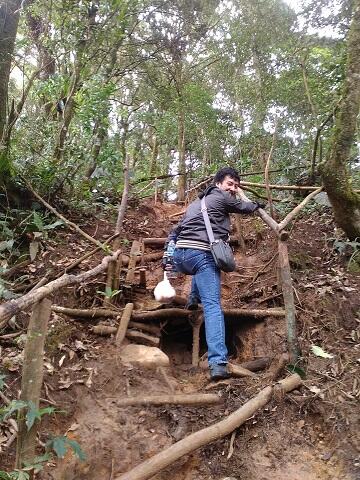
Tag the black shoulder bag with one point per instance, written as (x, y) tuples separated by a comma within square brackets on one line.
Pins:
[(221, 251)]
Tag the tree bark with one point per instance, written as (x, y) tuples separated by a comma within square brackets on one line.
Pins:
[(124, 322), (9, 20), (288, 294), (181, 150), (335, 170), (32, 378)]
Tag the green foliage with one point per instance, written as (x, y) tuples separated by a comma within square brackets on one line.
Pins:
[(32, 413), (38, 224), (60, 446), (15, 475), (296, 369), (109, 293), (128, 75)]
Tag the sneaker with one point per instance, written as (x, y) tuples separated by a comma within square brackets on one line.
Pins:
[(219, 372), (192, 303)]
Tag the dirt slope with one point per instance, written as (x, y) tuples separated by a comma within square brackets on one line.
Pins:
[(312, 434)]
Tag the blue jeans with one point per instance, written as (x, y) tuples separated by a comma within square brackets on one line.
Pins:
[(207, 287)]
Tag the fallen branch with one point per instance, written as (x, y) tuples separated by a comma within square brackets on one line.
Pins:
[(93, 313), (89, 254), (65, 220), (207, 435), (231, 446), (10, 272), (154, 329), (165, 313), (107, 330), (239, 371), (235, 313), (180, 399), (257, 364), (13, 307), (143, 338)]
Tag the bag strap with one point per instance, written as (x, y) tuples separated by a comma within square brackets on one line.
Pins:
[(209, 229)]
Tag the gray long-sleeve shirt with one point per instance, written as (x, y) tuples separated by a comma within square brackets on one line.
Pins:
[(219, 205)]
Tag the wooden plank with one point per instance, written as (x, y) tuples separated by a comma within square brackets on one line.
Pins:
[(135, 252)]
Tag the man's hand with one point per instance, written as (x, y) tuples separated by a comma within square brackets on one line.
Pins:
[(261, 205), (167, 263)]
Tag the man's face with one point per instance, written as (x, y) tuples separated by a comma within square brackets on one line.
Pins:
[(229, 184)]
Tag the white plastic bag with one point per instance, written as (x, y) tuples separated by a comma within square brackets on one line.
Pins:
[(164, 291)]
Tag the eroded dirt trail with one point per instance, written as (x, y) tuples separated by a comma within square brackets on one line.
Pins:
[(311, 434)]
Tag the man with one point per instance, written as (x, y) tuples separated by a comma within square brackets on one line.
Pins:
[(192, 256)]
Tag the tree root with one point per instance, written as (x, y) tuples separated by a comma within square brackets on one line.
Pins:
[(198, 439)]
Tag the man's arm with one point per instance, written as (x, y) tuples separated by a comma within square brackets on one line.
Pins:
[(236, 205), (174, 233)]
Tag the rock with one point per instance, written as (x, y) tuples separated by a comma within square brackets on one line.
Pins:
[(322, 199), (149, 357)]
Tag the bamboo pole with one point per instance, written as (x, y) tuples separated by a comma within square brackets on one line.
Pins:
[(207, 435), (117, 272), (196, 339), (124, 323), (142, 274), (31, 380), (135, 256)]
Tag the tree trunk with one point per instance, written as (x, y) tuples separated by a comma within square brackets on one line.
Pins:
[(335, 170), (181, 149), (154, 155), (9, 19)]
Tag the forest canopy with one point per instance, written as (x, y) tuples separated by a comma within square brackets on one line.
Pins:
[(87, 88)]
